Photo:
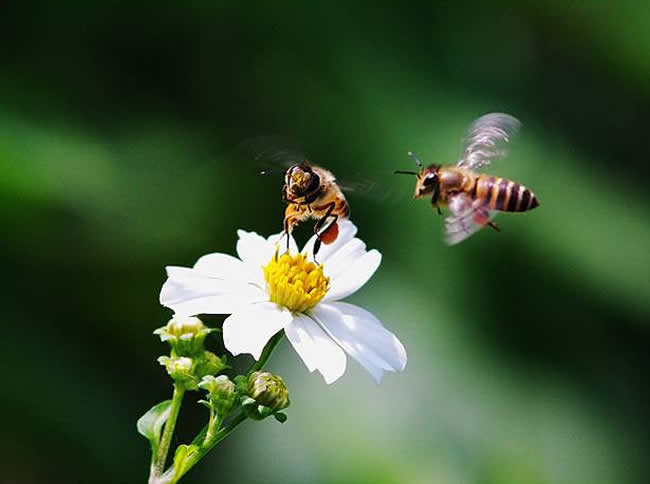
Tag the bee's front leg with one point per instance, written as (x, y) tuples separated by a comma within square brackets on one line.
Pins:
[(435, 205), (319, 225)]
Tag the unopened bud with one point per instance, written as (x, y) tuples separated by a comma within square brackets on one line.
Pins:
[(268, 390), (221, 393), (185, 334), (181, 370), (208, 363)]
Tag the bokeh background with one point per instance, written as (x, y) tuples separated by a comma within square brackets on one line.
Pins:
[(120, 129)]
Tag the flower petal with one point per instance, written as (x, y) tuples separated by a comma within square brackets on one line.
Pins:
[(317, 350), (362, 336), (347, 231), (188, 292), (252, 249), (256, 251), (355, 275), (222, 266), (250, 328), (279, 241), (343, 258)]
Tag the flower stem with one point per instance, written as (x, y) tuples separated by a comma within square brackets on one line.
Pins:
[(209, 436), (161, 456), (267, 352), (208, 443)]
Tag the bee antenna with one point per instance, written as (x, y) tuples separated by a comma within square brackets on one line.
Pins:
[(269, 172), (402, 172), (415, 158)]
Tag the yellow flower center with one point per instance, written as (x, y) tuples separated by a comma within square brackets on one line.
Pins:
[(295, 283)]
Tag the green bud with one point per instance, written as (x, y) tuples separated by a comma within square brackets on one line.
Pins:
[(180, 368), (221, 393), (268, 390), (208, 363), (189, 371), (185, 334)]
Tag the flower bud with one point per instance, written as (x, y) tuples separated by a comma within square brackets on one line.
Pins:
[(208, 363), (268, 390), (185, 334), (181, 370), (221, 393)]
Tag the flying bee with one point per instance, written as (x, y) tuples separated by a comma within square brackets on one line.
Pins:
[(311, 192), (474, 199)]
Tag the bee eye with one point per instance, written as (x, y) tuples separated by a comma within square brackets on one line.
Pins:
[(429, 179)]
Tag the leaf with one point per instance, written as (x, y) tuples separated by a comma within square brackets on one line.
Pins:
[(151, 423), (280, 417), (182, 458)]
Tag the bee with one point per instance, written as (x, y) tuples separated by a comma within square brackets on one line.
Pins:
[(311, 192), (474, 199)]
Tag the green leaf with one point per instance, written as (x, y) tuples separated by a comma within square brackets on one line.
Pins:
[(182, 458), (151, 423)]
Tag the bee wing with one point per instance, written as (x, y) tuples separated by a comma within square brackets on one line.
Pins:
[(467, 217), (487, 139), (271, 154), (367, 188)]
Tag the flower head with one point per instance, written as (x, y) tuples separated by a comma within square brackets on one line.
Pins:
[(266, 291), (184, 334), (268, 390)]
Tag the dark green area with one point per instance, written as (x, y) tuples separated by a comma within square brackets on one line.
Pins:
[(121, 132)]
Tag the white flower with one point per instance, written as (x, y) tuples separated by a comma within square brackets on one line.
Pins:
[(265, 292)]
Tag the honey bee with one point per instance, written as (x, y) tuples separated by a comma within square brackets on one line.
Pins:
[(474, 199), (311, 192)]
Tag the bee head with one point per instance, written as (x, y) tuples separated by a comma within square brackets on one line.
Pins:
[(427, 181), (301, 179)]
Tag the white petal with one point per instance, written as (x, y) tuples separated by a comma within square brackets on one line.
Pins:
[(256, 251), (343, 258), (252, 249), (279, 241), (317, 350), (353, 276), (362, 336), (250, 328), (189, 292), (222, 266), (347, 231)]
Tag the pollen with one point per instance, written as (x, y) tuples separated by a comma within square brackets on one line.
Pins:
[(295, 283)]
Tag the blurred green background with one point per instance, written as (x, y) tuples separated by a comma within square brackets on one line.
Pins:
[(528, 349)]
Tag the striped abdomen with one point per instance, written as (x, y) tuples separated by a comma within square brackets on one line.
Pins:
[(505, 195)]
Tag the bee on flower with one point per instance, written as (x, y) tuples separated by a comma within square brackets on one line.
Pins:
[(265, 292)]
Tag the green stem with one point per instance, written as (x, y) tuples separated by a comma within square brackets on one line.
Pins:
[(161, 456), (267, 352), (206, 439), (209, 443)]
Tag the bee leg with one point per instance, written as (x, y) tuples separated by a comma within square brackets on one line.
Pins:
[(494, 226), (287, 231), (319, 225), (434, 202), (317, 245)]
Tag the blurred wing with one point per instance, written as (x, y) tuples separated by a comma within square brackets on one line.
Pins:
[(487, 139), (270, 153), (366, 188), (467, 217)]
